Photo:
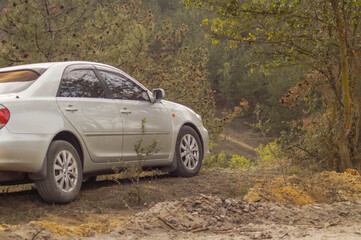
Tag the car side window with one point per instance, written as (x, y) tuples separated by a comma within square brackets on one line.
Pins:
[(123, 88), (81, 83)]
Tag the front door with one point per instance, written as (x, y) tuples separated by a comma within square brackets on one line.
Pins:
[(134, 105)]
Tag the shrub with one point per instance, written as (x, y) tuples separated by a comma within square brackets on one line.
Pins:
[(221, 160)]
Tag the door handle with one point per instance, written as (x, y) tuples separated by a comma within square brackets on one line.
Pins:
[(70, 108), (125, 112)]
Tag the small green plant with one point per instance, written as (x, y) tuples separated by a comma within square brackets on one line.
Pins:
[(270, 155), (267, 155), (134, 171), (297, 170), (243, 190), (215, 160)]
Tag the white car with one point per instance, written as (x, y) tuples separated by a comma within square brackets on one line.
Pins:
[(62, 122)]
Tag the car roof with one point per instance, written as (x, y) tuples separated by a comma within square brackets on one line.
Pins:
[(47, 65), (27, 66), (40, 68)]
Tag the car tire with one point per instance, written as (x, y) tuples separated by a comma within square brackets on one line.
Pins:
[(188, 153), (63, 174)]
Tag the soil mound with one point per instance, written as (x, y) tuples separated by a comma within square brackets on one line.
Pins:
[(211, 217), (324, 187), (60, 228), (218, 215), (224, 217)]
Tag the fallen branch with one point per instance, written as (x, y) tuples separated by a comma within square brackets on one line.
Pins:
[(179, 207), (36, 234), (168, 224)]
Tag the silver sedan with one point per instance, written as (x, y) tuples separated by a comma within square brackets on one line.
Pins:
[(63, 122)]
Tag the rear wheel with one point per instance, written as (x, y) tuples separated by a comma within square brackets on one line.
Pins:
[(64, 174), (188, 153)]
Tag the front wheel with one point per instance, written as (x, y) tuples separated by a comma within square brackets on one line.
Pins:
[(64, 174), (188, 153)]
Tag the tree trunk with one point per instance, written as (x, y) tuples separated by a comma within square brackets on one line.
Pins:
[(344, 151), (343, 139)]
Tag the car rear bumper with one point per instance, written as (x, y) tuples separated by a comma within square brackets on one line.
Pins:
[(22, 152)]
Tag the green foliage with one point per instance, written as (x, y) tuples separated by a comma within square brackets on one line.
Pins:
[(215, 160), (41, 30), (237, 74), (173, 11), (118, 34), (308, 145), (221, 160), (262, 87), (2, 4), (115, 32), (240, 162), (304, 147), (297, 170), (268, 155), (323, 37)]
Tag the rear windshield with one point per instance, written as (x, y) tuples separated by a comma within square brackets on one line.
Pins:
[(16, 81)]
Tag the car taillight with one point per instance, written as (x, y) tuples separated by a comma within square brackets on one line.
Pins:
[(4, 116)]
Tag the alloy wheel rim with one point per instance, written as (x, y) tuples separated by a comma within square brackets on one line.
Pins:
[(189, 152), (66, 171)]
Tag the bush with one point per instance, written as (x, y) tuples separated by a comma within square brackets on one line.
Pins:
[(269, 154), (240, 162), (221, 160)]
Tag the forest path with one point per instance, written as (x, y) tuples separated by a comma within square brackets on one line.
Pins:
[(241, 144), (240, 138)]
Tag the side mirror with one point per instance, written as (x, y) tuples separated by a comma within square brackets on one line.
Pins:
[(158, 94)]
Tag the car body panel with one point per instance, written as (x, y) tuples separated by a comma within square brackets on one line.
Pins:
[(38, 115), (183, 115), (27, 159), (99, 123), (157, 128)]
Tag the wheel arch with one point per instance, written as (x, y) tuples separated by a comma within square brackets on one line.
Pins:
[(177, 168), (73, 140), (197, 131), (65, 136)]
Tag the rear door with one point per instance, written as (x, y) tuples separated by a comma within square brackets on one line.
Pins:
[(83, 99), (134, 105)]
